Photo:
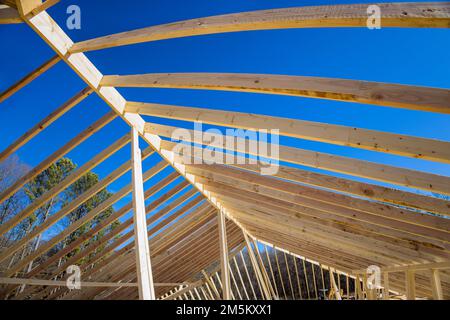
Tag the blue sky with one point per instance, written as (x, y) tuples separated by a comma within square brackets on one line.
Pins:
[(406, 56)]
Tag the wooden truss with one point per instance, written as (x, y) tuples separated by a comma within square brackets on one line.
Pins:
[(308, 223)]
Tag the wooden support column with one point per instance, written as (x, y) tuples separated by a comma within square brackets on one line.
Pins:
[(241, 279), (226, 284), (410, 285), (143, 265), (436, 287)]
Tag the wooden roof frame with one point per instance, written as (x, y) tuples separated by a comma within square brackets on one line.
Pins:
[(369, 223)]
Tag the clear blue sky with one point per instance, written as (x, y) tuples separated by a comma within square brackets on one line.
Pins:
[(406, 56)]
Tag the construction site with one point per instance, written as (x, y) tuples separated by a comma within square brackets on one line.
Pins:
[(127, 199)]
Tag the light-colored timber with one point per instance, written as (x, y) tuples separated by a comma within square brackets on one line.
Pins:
[(418, 15)]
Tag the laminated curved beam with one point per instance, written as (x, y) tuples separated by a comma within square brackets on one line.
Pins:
[(375, 93), (402, 15), (398, 144), (29, 78)]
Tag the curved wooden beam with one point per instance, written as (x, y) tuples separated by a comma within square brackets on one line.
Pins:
[(403, 145), (29, 78), (44, 123), (375, 93), (402, 15)]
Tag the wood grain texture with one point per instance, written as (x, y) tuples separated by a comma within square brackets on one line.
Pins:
[(374, 93)]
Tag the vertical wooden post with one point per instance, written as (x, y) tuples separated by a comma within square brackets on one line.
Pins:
[(314, 281), (234, 282), (214, 286), (410, 285), (210, 292), (248, 276), (143, 265), (323, 280), (226, 285), (436, 285)]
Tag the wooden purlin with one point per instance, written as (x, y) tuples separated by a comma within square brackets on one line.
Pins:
[(30, 134)]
